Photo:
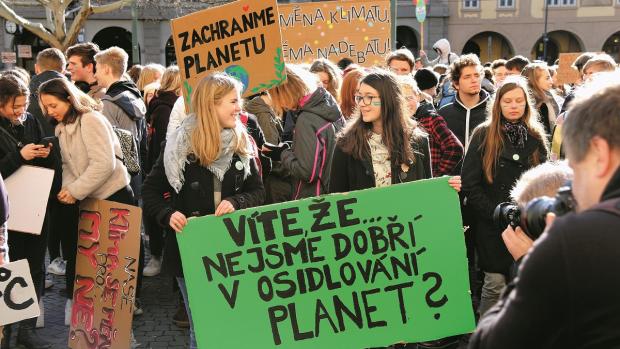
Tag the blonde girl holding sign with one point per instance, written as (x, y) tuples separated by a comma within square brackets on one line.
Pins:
[(207, 167)]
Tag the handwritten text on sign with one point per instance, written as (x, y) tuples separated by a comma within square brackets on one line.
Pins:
[(332, 271), (241, 38), (359, 30), (106, 271), (18, 299)]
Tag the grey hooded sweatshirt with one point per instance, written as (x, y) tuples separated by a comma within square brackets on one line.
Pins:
[(446, 56), (314, 140)]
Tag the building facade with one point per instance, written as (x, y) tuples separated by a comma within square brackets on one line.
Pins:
[(490, 28), (503, 28)]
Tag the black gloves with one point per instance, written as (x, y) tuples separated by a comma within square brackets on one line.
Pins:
[(275, 151)]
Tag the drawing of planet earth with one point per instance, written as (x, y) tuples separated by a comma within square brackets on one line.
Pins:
[(239, 73)]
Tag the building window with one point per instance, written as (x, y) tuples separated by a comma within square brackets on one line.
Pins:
[(470, 4), (508, 3), (563, 3)]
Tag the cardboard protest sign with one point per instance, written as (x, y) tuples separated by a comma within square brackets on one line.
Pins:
[(18, 299), (241, 38), (566, 73), (359, 30), (29, 188), (364, 269), (105, 275)]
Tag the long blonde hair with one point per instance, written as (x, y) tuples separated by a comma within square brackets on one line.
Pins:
[(494, 139), (206, 139)]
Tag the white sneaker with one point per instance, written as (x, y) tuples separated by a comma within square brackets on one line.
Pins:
[(68, 308), (58, 266), (153, 267)]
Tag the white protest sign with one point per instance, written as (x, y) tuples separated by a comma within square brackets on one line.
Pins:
[(28, 188), (18, 300)]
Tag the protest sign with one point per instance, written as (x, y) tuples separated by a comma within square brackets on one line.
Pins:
[(359, 30), (241, 38), (29, 189), (105, 275), (18, 299), (566, 73), (363, 269)]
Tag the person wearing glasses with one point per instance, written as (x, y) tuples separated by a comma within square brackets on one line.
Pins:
[(20, 144), (317, 118), (508, 143), (382, 144)]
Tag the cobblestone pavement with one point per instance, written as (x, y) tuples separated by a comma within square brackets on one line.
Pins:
[(153, 329)]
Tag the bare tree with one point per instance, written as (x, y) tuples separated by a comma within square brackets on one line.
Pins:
[(55, 31)]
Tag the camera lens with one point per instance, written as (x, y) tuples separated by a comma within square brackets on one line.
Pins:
[(506, 213)]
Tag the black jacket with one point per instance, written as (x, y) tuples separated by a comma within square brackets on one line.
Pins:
[(34, 108), (483, 197), (4, 203), (157, 116), (349, 174), (566, 293), (30, 131), (457, 115), (195, 198)]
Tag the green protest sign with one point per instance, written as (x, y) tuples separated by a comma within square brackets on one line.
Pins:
[(363, 269)]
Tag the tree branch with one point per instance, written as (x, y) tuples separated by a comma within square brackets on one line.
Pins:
[(110, 7), (36, 28), (78, 23)]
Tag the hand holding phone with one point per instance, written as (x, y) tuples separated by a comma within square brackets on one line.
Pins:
[(46, 141)]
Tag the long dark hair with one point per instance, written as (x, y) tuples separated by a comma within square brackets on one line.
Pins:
[(398, 129), (65, 91), (494, 138)]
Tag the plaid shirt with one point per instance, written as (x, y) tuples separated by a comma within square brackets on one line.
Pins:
[(446, 149)]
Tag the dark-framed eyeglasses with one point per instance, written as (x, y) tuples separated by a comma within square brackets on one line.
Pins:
[(368, 100)]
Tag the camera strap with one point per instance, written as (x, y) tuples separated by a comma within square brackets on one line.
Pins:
[(612, 206)]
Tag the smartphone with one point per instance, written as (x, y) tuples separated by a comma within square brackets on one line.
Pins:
[(45, 141)]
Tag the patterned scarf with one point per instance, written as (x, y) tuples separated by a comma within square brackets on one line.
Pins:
[(516, 132)]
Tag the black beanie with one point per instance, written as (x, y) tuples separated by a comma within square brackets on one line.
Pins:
[(426, 79)]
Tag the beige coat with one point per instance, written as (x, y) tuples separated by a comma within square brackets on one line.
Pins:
[(90, 168)]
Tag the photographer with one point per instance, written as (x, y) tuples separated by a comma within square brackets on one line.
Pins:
[(542, 180), (564, 296)]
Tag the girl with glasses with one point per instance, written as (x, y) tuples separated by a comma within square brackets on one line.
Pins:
[(381, 145)]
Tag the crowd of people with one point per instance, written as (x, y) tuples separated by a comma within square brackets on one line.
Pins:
[(328, 128)]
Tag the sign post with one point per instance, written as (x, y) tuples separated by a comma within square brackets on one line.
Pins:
[(420, 14), (337, 271)]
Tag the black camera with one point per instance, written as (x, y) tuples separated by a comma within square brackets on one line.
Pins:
[(532, 218)]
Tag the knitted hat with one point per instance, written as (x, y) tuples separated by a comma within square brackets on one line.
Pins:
[(426, 79)]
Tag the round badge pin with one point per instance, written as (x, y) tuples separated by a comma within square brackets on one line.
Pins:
[(516, 157), (239, 165)]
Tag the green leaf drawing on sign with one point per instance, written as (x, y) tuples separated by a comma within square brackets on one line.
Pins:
[(188, 93), (279, 65)]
